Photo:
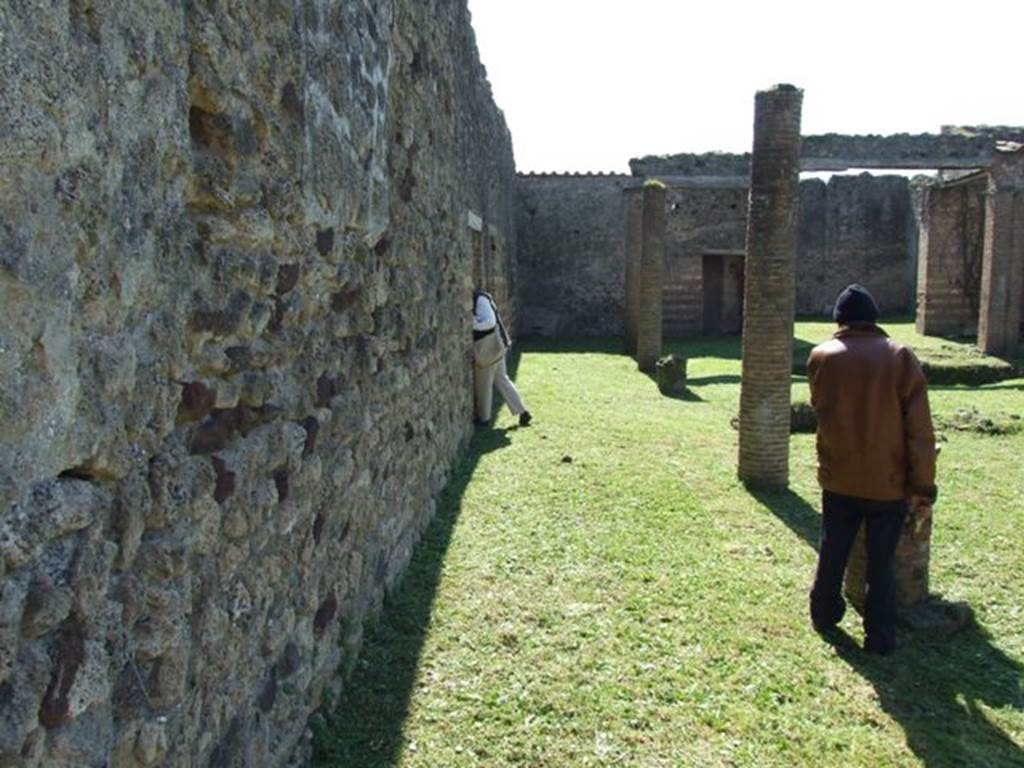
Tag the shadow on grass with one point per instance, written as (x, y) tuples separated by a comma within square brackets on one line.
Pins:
[(605, 345), (935, 692), (685, 396), (933, 689), (801, 518), (364, 728)]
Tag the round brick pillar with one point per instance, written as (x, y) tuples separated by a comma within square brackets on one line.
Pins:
[(770, 288), (649, 279)]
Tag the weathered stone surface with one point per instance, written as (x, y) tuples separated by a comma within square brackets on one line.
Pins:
[(53, 508), (235, 267), (20, 697), (14, 591), (571, 254), (46, 606), (670, 374)]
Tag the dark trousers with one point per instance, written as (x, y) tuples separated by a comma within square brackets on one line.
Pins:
[(841, 517)]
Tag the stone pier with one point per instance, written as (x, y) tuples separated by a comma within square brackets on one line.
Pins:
[(951, 225), (913, 554), (769, 292), (649, 278), (1002, 272)]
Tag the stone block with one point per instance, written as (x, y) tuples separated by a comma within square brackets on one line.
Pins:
[(53, 509), (20, 697), (46, 606), (14, 591), (670, 373)]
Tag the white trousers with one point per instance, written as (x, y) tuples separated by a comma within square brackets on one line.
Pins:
[(484, 381)]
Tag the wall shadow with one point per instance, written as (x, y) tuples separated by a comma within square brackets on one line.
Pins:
[(606, 345), (364, 727), (935, 689)]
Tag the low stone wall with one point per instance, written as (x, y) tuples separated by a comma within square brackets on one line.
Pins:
[(235, 273)]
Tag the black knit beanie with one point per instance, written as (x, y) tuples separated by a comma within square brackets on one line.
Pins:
[(855, 305)]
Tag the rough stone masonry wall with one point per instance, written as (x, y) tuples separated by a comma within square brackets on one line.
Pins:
[(572, 231), (571, 239), (699, 221), (856, 229), (234, 271)]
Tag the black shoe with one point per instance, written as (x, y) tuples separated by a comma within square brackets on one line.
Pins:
[(525, 418), (482, 422)]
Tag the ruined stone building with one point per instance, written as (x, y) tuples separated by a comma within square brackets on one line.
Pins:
[(237, 244), (917, 243)]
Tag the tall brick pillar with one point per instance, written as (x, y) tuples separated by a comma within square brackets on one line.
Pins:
[(652, 267), (634, 245), (1002, 269), (770, 288)]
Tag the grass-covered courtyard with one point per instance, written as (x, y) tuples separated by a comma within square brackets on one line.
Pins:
[(599, 590)]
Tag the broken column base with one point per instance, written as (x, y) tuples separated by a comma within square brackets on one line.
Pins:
[(915, 607), (670, 373)]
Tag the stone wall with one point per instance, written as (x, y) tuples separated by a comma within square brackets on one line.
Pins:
[(235, 271), (856, 229), (952, 224), (701, 222), (954, 147), (571, 258), (572, 231)]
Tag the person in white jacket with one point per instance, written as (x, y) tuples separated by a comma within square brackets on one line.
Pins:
[(490, 343)]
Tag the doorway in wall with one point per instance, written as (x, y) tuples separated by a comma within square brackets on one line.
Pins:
[(722, 292)]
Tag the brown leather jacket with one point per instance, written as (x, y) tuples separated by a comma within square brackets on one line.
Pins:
[(875, 438)]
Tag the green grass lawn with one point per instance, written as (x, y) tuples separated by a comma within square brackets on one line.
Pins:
[(599, 590)]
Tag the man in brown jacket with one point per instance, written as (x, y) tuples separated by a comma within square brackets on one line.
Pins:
[(876, 459)]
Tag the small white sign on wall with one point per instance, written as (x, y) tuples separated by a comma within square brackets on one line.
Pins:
[(474, 221)]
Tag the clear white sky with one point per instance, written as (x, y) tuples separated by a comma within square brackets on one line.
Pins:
[(586, 85)]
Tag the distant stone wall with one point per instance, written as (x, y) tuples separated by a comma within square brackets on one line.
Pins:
[(856, 229), (572, 231), (965, 147), (235, 278), (571, 239)]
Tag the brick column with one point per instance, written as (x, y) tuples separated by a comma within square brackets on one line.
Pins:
[(634, 245), (769, 290), (1002, 270), (652, 267)]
